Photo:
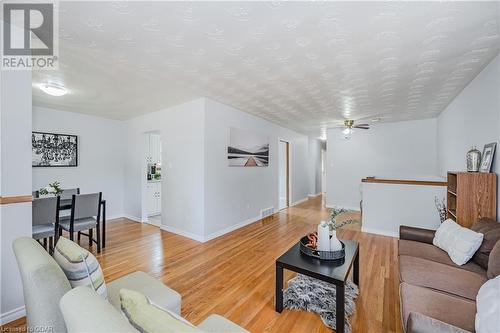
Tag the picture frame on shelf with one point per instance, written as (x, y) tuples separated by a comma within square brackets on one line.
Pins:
[(487, 157)]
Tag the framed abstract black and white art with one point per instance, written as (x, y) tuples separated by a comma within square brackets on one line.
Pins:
[(54, 150)]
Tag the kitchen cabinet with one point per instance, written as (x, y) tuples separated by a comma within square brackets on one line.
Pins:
[(153, 198), (153, 148)]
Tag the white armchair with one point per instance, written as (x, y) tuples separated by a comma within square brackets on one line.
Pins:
[(44, 283)]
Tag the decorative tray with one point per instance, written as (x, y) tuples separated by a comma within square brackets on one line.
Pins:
[(322, 255)]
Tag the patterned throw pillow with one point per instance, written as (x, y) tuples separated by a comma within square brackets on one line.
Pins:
[(80, 266), (148, 318)]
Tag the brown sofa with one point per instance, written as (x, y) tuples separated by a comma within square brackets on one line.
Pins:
[(437, 295)]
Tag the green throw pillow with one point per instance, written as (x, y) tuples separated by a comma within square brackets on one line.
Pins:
[(148, 318), (80, 266)]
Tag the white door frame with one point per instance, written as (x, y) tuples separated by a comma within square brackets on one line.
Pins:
[(288, 174), (144, 181), (323, 171)]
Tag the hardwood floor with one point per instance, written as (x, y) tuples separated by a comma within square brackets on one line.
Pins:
[(233, 275)]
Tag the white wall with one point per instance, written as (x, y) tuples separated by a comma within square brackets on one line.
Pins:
[(234, 196), (100, 155), (388, 206), (182, 133), (391, 150), (15, 175), (472, 119)]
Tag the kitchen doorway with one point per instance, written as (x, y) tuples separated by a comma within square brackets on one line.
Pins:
[(152, 194), (323, 169), (284, 174)]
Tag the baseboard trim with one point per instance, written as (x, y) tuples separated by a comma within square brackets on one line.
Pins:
[(314, 195), (132, 218), (380, 232), (232, 228), (115, 217), (182, 233), (12, 315), (335, 206), (298, 202)]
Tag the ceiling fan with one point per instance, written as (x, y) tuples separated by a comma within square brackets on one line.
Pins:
[(349, 128)]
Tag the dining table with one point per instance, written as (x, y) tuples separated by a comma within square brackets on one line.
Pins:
[(65, 204)]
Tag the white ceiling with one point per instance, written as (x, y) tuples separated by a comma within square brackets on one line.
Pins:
[(304, 65)]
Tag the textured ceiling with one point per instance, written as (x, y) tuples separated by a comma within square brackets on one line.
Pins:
[(305, 65)]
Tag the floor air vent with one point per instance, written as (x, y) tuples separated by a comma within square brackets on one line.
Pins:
[(266, 212)]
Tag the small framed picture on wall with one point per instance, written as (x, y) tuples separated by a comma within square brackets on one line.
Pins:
[(487, 157)]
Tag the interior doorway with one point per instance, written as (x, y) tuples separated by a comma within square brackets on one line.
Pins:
[(284, 174), (323, 170), (152, 179)]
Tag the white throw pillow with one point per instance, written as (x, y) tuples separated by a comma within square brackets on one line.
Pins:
[(460, 243), (488, 307)]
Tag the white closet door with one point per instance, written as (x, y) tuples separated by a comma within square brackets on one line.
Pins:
[(151, 199), (158, 198)]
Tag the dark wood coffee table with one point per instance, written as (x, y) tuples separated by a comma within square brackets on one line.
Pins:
[(334, 272)]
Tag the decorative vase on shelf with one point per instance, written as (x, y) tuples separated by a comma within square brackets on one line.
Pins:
[(473, 160), (323, 237), (335, 244)]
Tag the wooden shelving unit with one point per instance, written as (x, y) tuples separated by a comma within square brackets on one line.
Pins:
[(471, 196)]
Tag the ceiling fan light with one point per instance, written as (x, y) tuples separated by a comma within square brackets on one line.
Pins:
[(347, 131), (53, 89)]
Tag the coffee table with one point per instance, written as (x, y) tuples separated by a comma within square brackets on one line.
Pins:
[(334, 272)]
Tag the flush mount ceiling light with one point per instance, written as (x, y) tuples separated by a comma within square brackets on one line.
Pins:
[(53, 89)]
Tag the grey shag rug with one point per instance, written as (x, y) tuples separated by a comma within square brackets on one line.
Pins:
[(310, 294)]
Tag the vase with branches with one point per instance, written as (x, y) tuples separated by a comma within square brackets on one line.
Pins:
[(334, 225), (335, 244), (441, 208)]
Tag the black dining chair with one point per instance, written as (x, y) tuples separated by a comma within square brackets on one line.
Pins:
[(45, 221), (85, 215), (68, 193)]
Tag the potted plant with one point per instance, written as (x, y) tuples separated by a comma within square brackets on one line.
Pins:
[(54, 189)]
